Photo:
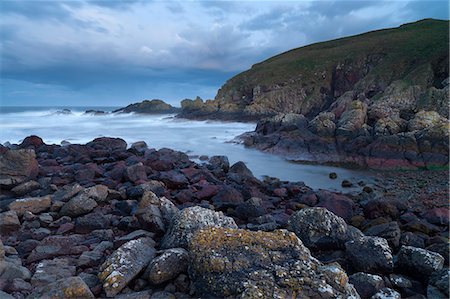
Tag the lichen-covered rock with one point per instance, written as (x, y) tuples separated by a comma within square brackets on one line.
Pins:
[(78, 205), (426, 119), (323, 124), (168, 265), (65, 288), (319, 228), (31, 204), (234, 262), (125, 264), (387, 293), (190, 220), (370, 254), (366, 284), (17, 166), (418, 262)]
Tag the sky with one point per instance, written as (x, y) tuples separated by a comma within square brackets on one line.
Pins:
[(112, 53)]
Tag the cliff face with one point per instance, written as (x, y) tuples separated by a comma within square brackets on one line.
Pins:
[(362, 96)]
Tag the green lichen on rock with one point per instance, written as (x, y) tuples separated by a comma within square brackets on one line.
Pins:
[(65, 288), (235, 262), (125, 263)]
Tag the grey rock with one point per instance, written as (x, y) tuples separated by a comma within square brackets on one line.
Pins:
[(11, 269), (48, 271), (135, 295), (366, 284), (418, 262), (94, 257), (78, 205), (370, 254), (319, 228), (251, 208), (168, 265), (389, 231), (98, 192), (190, 220), (5, 295), (440, 280), (125, 264)]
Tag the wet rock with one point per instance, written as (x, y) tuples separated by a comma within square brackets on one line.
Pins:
[(70, 287), (251, 208), (78, 205), (9, 222), (31, 204), (49, 271), (125, 264), (139, 146), (366, 284), (190, 220), (333, 175), (168, 265), (389, 231), (418, 262), (346, 184), (370, 254), (17, 166), (387, 293), (231, 262), (241, 169), (319, 228), (25, 188)]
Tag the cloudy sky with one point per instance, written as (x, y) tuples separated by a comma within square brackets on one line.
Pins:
[(111, 53)]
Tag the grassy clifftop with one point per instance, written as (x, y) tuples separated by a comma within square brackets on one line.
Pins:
[(308, 79)]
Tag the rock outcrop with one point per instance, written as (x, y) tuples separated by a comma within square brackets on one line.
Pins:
[(154, 106)]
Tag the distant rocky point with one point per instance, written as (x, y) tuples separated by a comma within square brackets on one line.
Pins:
[(154, 106), (95, 112), (378, 99)]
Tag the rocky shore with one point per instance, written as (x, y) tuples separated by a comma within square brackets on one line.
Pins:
[(104, 220)]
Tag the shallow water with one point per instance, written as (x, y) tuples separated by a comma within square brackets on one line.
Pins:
[(193, 137)]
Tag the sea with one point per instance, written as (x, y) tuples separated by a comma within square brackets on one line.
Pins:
[(196, 138)]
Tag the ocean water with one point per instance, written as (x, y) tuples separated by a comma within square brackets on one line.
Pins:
[(158, 131)]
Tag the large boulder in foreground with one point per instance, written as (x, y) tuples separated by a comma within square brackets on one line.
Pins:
[(419, 262), (125, 264), (17, 166), (320, 229), (189, 221), (235, 262)]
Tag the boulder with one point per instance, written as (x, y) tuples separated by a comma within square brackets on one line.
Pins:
[(78, 205), (135, 173), (48, 271), (389, 231), (11, 269), (17, 166), (31, 204), (370, 254), (438, 216), (54, 246), (439, 281), (366, 284), (418, 262), (9, 222), (93, 258), (426, 119), (25, 188), (167, 266), (155, 214), (337, 203), (67, 288), (107, 143), (90, 222), (320, 229), (125, 264), (190, 220), (387, 293), (227, 197), (240, 263), (323, 124), (251, 208)]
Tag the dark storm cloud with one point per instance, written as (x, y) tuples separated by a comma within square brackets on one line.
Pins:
[(169, 49)]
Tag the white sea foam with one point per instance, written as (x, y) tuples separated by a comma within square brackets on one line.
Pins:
[(159, 131)]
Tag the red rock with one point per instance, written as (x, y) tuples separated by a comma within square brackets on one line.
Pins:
[(339, 204), (17, 166), (31, 141), (64, 228), (280, 192)]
